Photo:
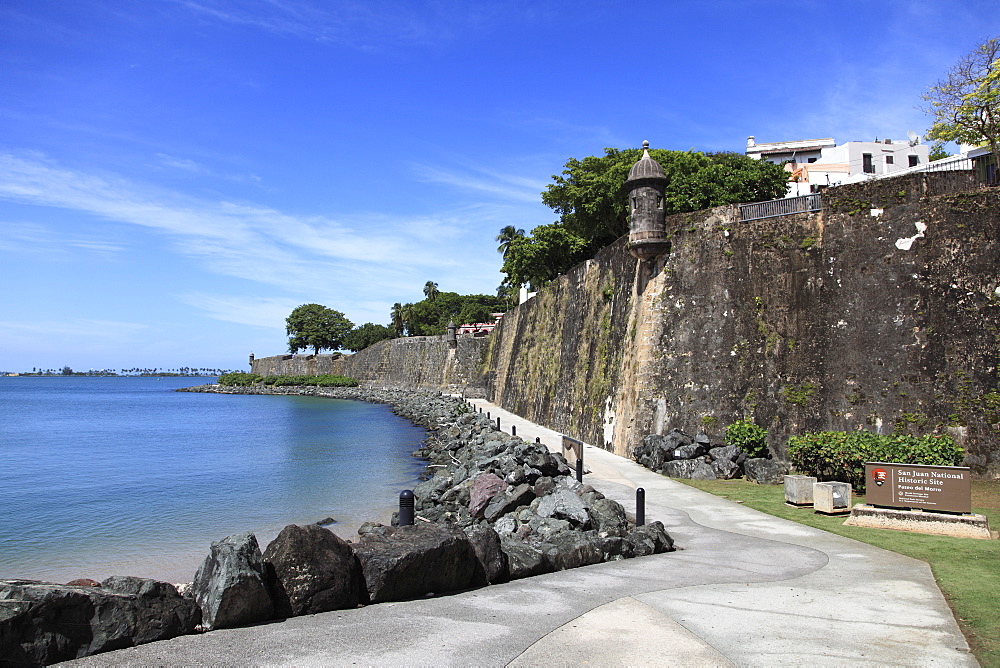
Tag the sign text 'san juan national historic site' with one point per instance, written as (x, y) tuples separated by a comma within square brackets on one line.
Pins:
[(940, 488)]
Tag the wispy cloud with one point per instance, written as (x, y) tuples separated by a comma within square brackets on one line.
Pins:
[(377, 255), (361, 25), (20, 237), (268, 313), (505, 186)]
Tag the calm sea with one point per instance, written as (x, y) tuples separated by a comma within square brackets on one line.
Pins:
[(105, 476)]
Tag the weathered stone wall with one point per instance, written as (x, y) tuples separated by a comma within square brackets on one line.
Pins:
[(294, 365), (833, 320), (880, 312), (418, 362)]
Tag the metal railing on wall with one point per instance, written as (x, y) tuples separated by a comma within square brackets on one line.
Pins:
[(780, 207)]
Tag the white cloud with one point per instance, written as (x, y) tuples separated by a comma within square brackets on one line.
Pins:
[(268, 313), (74, 332)]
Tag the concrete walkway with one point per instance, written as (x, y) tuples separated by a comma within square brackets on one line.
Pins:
[(745, 589)]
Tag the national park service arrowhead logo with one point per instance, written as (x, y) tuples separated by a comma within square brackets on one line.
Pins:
[(879, 476)]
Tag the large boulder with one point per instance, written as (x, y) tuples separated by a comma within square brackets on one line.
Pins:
[(315, 571), (410, 561), (572, 549), (565, 505), (765, 471), (694, 469), (512, 499), (43, 623), (725, 469), (690, 451), (523, 560), (725, 453), (231, 586), (649, 539), (484, 487), (608, 517), (491, 562)]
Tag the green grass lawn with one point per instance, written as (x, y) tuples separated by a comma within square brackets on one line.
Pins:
[(967, 570)]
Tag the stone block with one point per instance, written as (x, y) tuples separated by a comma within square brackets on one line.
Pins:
[(917, 521), (799, 490), (832, 497)]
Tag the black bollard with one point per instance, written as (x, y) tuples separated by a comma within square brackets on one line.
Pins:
[(406, 508), (498, 424), (487, 415), (640, 506), (579, 470), (513, 430), (538, 439)]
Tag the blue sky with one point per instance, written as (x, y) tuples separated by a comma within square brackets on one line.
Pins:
[(177, 175)]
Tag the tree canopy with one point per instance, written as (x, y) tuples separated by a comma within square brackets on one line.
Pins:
[(593, 210), (365, 335), (430, 316), (965, 104), (317, 327)]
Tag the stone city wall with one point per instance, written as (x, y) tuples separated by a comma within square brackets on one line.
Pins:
[(880, 312), (418, 362)]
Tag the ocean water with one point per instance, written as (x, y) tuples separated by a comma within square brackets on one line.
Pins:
[(124, 476)]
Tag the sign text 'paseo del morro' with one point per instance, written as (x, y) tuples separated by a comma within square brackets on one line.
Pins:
[(939, 488)]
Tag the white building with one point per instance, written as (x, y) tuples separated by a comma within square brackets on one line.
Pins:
[(812, 163)]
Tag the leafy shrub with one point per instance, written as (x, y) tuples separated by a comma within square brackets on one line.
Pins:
[(748, 437), (239, 379), (840, 455), (322, 380)]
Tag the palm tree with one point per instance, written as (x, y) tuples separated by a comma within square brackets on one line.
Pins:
[(407, 314), (430, 290), (397, 318), (507, 235)]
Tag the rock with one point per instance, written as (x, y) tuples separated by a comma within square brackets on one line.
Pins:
[(523, 560), (512, 499), (43, 623), (231, 586), (429, 491), (572, 549), (490, 558), (161, 611), (765, 471), (83, 582), (484, 488), (688, 468), (543, 486), (701, 438), (725, 453), (566, 505), (676, 439), (725, 469), (315, 571), (608, 518), (650, 539), (325, 522), (410, 561), (690, 451)]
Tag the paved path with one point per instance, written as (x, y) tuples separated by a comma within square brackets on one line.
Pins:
[(745, 589)]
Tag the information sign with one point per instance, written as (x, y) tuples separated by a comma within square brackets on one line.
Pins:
[(943, 488)]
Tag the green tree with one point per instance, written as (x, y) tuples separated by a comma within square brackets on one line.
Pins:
[(430, 290), (938, 151), (317, 327), (590, 199), (507, 235), (397, 320), (592, 203), (548, 252), (365, 335), (965, 104), (428, 318)]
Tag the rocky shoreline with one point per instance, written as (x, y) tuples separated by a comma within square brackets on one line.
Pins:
[(492, 508)]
